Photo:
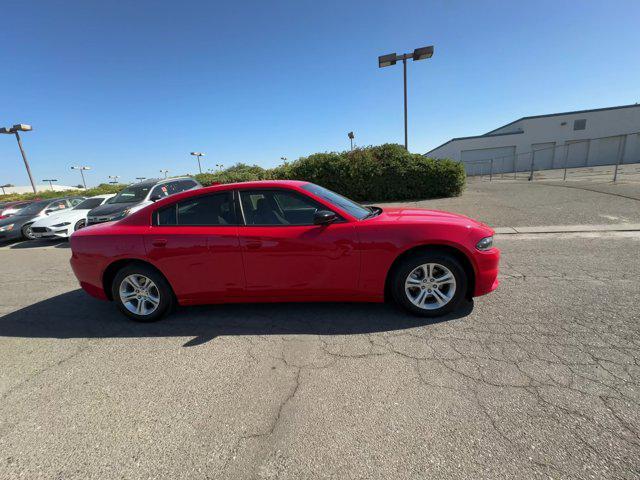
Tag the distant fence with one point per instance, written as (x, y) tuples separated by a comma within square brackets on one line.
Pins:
[(591, 152)]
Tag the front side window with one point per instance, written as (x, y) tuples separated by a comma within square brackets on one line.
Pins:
[(334, 198), (161, 191), (216, 209), (278, 207), (55, 206)]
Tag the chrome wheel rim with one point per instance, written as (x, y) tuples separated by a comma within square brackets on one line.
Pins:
[(29, 233), (139, 294), (430, 286)]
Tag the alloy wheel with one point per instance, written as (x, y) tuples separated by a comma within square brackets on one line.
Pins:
[(139, 294), (430, 286)]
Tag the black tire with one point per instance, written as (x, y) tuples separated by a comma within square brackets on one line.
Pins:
[(408, 265), (165, 293), (79, 224), (27, 234)]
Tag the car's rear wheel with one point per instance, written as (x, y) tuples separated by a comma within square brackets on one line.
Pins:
[(429, 284), (141, 293), (27, 233), (79, 224)]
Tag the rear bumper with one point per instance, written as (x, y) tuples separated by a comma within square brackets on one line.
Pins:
[(487, 264), (85, 272)]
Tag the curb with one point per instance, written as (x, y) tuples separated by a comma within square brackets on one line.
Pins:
[(619, 227)]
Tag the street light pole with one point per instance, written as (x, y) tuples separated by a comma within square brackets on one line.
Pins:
[(114, 179), (165, 172), (406, 134), (198, 155), (351, 137), (21, 127), (82, 169), (391, 59)]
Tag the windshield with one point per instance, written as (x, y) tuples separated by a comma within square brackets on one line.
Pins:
[(135, 193), (34, 208), (89, 203), (349, 206)]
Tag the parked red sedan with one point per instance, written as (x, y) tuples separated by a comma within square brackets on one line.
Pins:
[(283, 241)]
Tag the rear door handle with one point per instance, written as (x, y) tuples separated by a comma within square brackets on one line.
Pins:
[(252, 245), (159, 242)]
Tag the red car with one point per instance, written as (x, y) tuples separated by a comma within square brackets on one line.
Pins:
[(283, 241)]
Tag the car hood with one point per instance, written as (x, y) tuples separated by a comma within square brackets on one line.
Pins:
[(16, 219), (110, 209), (69, 215), (419, 215)]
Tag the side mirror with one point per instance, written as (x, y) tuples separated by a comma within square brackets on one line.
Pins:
[(49, 211), (155, 198), (324, 217)]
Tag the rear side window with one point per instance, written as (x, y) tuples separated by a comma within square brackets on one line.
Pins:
[(216, 209)]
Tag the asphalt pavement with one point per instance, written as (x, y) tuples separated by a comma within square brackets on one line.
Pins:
[(539, 379)]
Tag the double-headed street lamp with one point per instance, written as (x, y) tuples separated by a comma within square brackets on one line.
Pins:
[(141, 178), (165, 172), (198, 155), (82, 168), (21, 127), (6, 185), (391, 59), (50, 180), (114, 179), (351, 137)]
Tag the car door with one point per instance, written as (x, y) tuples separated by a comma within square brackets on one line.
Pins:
[(286, 255), (195, 244)]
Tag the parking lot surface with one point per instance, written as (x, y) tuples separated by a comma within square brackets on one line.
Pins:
[(538, 379)]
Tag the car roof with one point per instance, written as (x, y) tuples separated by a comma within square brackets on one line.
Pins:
[(155, 181), (137, 216)]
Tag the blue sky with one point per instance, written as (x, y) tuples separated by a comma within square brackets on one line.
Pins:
[(130, 87)]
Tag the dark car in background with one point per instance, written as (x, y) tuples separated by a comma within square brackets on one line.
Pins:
[(11, 208), (138, 196), (18, 226)]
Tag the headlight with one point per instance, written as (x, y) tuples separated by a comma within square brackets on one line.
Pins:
[(63, 224), (7, 228), (485, 244)]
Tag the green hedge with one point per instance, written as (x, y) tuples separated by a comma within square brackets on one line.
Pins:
[(382, 173), (102, 189)]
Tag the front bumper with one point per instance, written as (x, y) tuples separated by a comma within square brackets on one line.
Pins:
[(48, 232), (10, 235), (487, 267)]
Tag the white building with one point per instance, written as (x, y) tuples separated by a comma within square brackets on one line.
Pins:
[(601, 136), (39, 188)]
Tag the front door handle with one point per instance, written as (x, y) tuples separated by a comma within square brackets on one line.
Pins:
[(159, 242), (253, 245)]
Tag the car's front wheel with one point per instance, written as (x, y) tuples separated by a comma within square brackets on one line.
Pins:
[(27, 233), (79, 224), (429, 284), (141, 293)]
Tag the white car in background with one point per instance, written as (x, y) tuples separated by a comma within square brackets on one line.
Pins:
[(63, 224)]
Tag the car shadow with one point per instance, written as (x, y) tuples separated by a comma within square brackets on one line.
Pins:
[(58, 243), (76, 315)]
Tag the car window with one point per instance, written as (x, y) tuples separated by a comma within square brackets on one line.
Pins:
[(161, 191), (57, 205), (131, 194), (216, 209), (344, 203), (75, 201), (278, 207)]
